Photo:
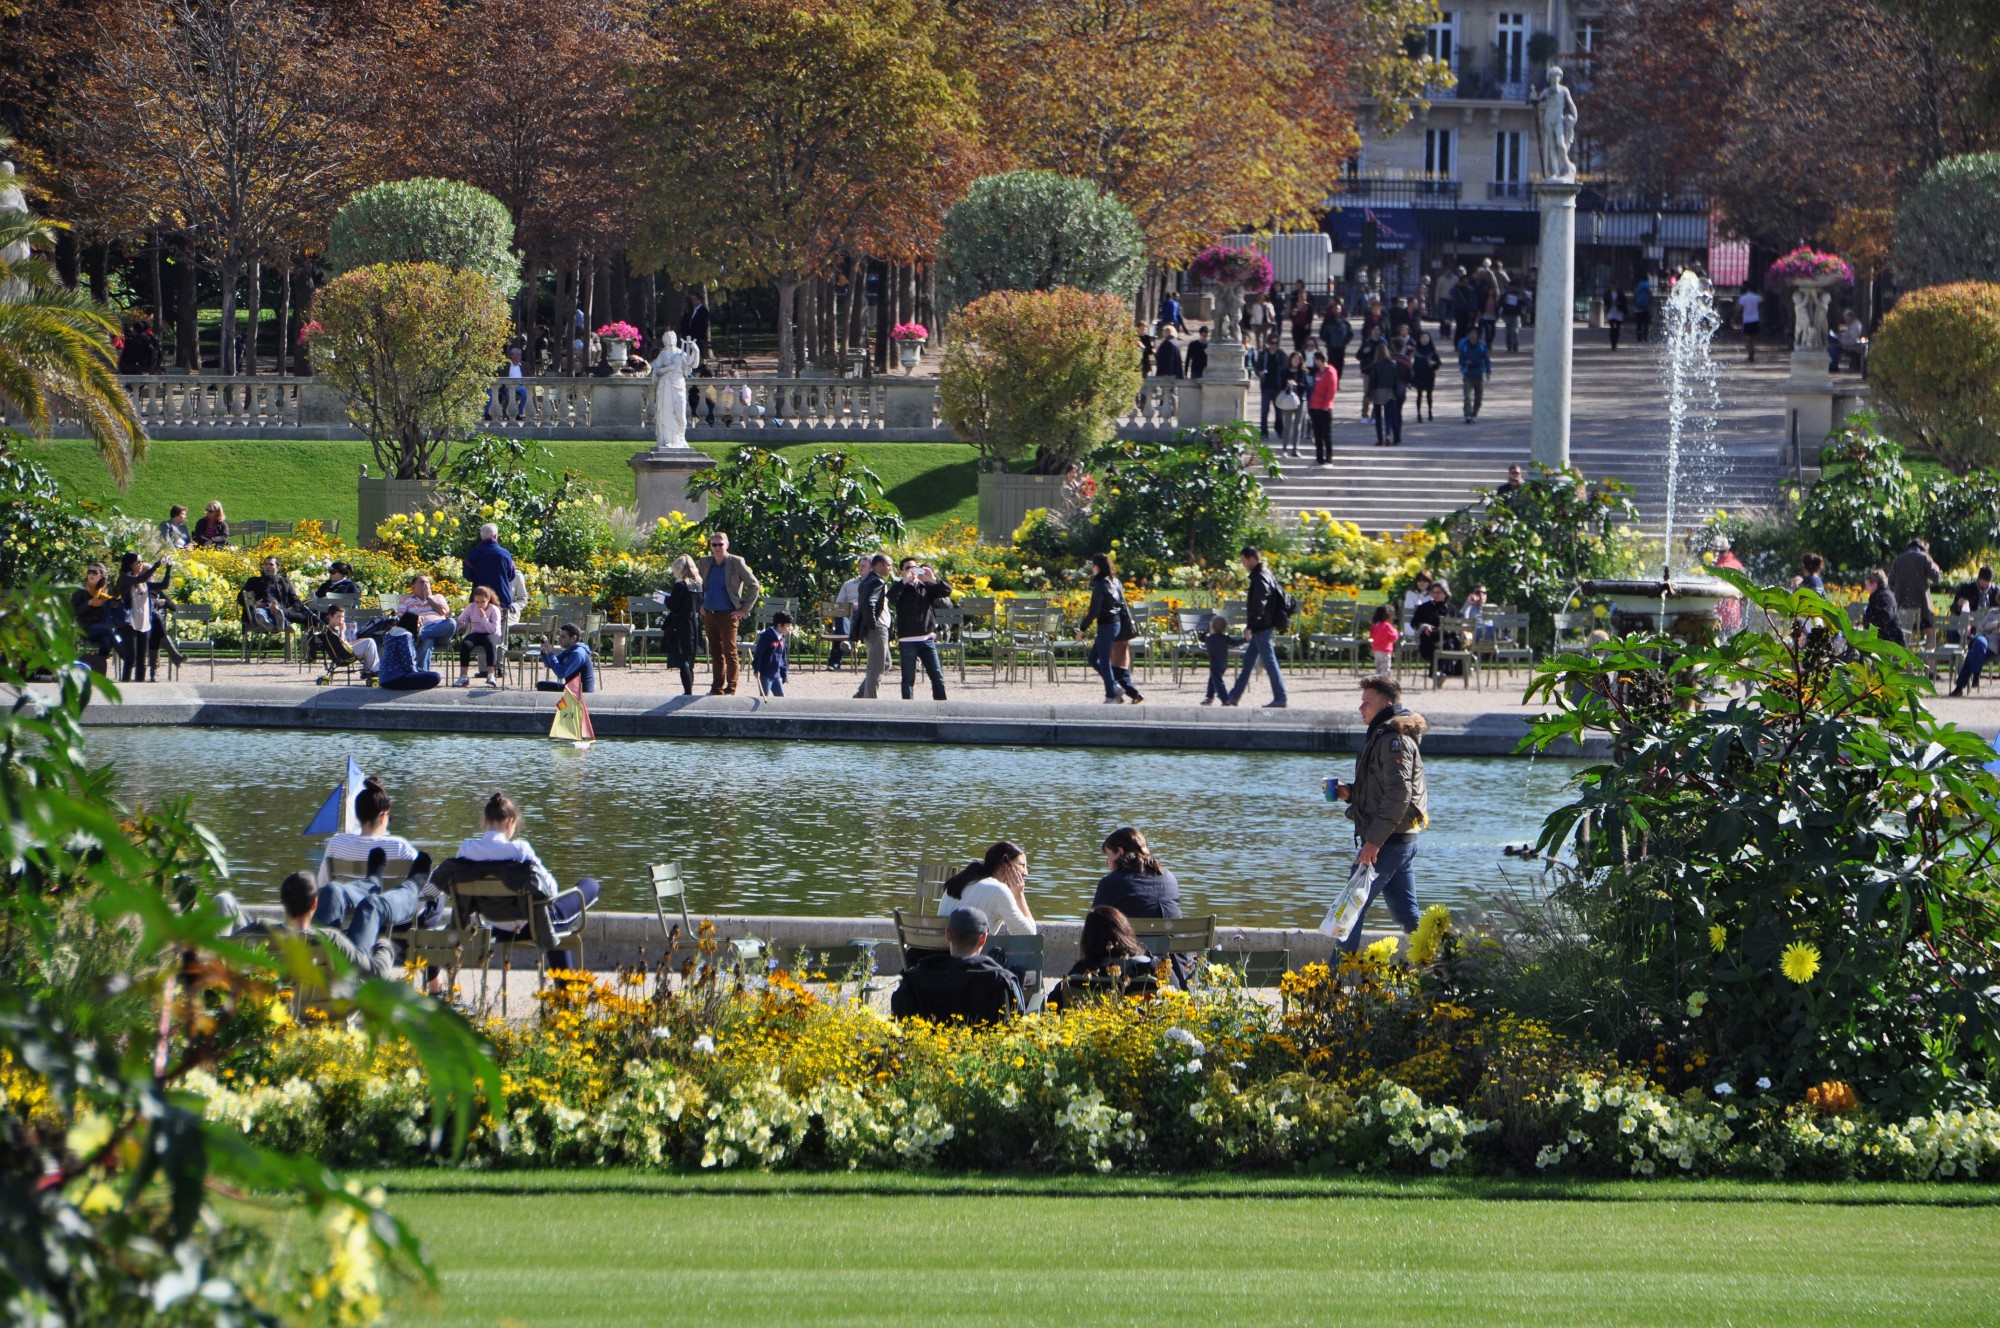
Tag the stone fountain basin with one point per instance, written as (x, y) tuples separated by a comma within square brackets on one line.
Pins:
[(1693, 595)]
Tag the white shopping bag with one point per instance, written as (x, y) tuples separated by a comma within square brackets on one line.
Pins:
[(1344, 918)]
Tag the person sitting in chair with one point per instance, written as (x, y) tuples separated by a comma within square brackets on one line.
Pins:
[(299, 897), (570, 659), (497, 852), (1110, 961), (961, 984), (270, 603)]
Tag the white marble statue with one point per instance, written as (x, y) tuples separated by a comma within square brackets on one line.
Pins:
[(1556, 114), (1810, 308), (672, 369)]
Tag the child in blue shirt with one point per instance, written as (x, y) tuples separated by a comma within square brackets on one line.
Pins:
[(768, 659)]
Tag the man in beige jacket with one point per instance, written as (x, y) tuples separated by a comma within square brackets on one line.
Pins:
[(729, 591)]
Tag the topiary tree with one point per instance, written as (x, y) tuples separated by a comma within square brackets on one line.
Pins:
[(1936, 362), (410, 349), (428, 220), (1036, 230), (1948, 228), (1043, 370)]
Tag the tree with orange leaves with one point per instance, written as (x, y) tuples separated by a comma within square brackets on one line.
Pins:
[(767, 137)]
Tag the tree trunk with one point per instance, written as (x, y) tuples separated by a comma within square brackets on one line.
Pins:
[(159, 293), (232, 271), (857, 301), (885, 296), (788, 288), (97, 266), (66, 258), (187, 308), (255, 291), (814, 354), (285, 319), (906, 292), (565, 330), (300, 281)]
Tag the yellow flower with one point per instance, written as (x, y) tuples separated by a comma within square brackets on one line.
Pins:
[(1718, 936), (1429, 936), (1799, 962)]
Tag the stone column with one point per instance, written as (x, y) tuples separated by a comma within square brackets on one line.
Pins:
[(660, 479), (1555, 308)]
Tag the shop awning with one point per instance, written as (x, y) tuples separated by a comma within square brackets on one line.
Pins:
[(1497, 226)]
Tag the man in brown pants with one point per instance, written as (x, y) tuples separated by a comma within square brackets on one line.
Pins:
[(729, 591)]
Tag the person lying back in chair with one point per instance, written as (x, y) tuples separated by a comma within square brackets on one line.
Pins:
[(495, 853), (963, 984), (299, 895)]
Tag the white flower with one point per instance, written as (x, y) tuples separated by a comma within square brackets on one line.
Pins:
[(1192, 1067), (705, 1045), (1723, 1090), (1763, 1083), (1186, 1039)]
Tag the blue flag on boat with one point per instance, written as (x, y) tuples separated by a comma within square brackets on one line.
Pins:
[(336, 814), (1994, 765)]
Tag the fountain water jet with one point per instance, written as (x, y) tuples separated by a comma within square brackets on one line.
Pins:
[(1685, 603)]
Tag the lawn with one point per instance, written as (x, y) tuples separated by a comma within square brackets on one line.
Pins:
[(262, 479), (610, 1248)]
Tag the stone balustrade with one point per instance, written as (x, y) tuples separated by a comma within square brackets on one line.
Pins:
[(884, 408)]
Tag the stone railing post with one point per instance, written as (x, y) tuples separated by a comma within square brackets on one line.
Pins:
[(908, 403)]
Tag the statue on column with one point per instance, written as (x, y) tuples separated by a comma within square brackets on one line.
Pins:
[(1555, 113), (672, 369)]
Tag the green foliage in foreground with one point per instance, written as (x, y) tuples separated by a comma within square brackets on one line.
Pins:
[(282, 480), (1092, 1255), (117, 985)]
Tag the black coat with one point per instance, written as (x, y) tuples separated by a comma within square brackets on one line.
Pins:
[(680, 633), (1140, 894), (1258, 600), (1197, 358), (938, 987), (915, 607), (1882, 615), (694, 327), (871, 605), (1167, 360)]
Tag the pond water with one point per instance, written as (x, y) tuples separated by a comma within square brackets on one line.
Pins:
[(837, 829)]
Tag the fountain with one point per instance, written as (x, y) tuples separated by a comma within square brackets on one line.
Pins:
[(1682, 604)]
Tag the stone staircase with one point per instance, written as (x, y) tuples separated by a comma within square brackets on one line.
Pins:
[(1435, 472)]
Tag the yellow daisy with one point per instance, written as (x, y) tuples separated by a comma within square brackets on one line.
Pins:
[(1718, 936), (1799, 962)]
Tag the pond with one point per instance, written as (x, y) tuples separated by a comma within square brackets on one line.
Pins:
[(837, 829)]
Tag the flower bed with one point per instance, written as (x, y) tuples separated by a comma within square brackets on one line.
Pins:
[(1377, 1068)]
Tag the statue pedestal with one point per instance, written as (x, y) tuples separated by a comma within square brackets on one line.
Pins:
[(661, 481), (1816, 403), (1555, 308)]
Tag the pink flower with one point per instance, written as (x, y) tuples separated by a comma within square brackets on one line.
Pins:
[(1229, 265), (309, 331), (619, 332), (909, 332)]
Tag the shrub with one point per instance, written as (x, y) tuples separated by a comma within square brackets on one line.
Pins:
[(1189, 502), (43, 533), (1036, 230), (1772, 922), (799, 529), (1047, 371), (1337, 551), (1936, 362), (1866, 506), (1531, 547), (1948, 228), (410, 349), (428, 220)]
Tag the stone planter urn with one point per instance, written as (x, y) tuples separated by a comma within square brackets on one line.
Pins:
[(616, 352), (380, 497), (909, 354)]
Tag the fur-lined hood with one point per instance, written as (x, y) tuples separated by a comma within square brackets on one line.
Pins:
[(1406, 722)]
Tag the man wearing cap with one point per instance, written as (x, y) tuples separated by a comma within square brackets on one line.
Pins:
[(963, 984)]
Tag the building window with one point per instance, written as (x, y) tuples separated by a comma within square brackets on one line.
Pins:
[(1512, 55), (1507, 157), (1589, 40), (1441, 39), (1438, 163)]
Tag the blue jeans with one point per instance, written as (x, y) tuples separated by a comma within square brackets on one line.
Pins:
[(1266, 398), (339, 901), (1100, 656), (1218, 683), (566, 908), (385, 909), (926, 654), (1260, 650), (770, 684), (840, 650), (1977, 652), (439, 629), (1395, 885)]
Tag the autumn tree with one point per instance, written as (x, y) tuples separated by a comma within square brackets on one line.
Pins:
[(1200, 115), (768, 137), (234, 113)]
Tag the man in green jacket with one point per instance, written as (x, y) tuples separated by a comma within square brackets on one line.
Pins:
[(1387, 801)]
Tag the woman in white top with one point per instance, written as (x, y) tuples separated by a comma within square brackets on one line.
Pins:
[(371, 809), (997, 886)]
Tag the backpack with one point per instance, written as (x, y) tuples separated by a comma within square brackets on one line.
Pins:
[(1283, 608)]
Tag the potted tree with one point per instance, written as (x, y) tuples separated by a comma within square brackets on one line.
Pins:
[(1042, 375), (410, 349)]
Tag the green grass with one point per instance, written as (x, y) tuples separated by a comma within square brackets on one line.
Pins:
[(259, 479), (614, 1248)]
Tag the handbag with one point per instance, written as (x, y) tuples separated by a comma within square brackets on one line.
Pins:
[(1127, 629), (1288, 400)]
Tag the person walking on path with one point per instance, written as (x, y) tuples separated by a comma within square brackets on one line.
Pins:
[(1388, 385), (1642, 309), (914, 598), (729, 590), (1292, 393), (1270, 364), (1614, 314), (1388, 802), (1749, 316), (1265, 616), (1334, 333), (680, 633), (1911, 577), (1197, 354), (1319, 406), (1475, 365), (1424, 365), (870, 624), (1113, 622), (1512, 305), (489, 564)]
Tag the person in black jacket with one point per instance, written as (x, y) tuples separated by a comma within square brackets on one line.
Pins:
[(871, 624), (914, 598), (1883, 613), (963, 984), (1263, 620), (1138, 886), (680, 633), (1167, 355), (1269, 365), (272, 603), (1110, 962), (1197, 353), (1113, 622), (143, 591)]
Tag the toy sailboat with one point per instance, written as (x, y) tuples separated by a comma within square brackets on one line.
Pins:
[(572, 722)]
